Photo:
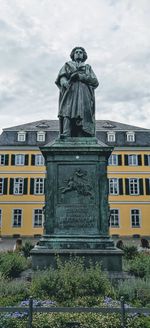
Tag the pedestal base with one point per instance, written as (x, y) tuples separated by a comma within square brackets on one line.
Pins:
[(110, 260)]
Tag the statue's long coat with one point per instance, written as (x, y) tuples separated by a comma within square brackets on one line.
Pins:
[(78, 100)]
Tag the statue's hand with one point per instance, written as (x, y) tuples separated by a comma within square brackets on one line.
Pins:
[(74, 76), (65, 84), (83, 78)]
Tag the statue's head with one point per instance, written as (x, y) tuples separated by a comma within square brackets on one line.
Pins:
[(78, 52)]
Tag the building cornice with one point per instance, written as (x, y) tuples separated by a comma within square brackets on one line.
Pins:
[(129, 172), (134, 148), (129, 202), (13, 147), (22, 172)]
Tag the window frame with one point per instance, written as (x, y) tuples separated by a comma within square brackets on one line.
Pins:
[(1, 193), (20, 162), (2, 164), (17, 209), (140, 217), (134, 160), (41, 134), (113, 160), (115, 184), (130, 134), (20, 135), (37, 184), (148, 159), (19, 184), (1, 215), (115, 226), (41, 162), (38, 214), (138, 187), (147, 186), (111, 134)]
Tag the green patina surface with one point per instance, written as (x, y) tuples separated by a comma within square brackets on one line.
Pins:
[(76, 211)]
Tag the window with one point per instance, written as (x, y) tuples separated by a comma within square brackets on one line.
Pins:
[(41, 136), (114, 218), (134, 186), (0, 217), (21, 136), (17, 218), (18, 186), (147, 160), (113, 186), (1, 185), (111, 136), (19, 159), (39, 160), (132, 160), (135, 218), (38, 218), (130, 136), (113, 159), (147, 185), (2, 159), (39, 186)]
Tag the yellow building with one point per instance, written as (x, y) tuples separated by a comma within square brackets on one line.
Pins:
[(22, 177)]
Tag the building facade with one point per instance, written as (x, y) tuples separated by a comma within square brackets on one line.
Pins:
[(23, 172)]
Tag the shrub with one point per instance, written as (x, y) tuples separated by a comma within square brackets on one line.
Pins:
[(12, 291), (135, 290), (70, 281), (12, 323), (12, 264), (130, 251), (26, 248), (90, 320), (140, 265)]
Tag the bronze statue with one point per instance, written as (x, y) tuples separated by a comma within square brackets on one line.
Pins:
[(77, 81)]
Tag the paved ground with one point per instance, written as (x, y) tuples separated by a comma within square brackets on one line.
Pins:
[(8, 243)]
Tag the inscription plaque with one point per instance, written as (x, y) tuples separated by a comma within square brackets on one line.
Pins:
[(75, 220), (77, 207)]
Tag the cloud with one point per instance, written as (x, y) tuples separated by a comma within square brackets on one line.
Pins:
[(36, 38)]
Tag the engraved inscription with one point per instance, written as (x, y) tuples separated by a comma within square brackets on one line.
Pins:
[(76, 218)]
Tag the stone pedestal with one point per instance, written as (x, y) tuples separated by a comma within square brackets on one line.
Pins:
[(76, 211)]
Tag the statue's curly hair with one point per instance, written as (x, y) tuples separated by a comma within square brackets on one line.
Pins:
[(84, 53)]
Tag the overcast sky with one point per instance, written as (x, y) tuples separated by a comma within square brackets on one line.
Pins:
[(36, 38)]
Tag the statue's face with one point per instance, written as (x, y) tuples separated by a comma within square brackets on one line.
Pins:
[(78, 55)]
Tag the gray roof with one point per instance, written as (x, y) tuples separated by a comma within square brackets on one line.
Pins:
[(53, 125), (44, 125), (9, 136)]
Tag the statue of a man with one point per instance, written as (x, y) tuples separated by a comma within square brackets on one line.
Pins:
[(77, 81)]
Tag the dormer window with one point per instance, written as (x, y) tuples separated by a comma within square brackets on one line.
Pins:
[(111, 137), (21, 136), (42, 125), (130, 136), (108, 125), (41, 136)]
